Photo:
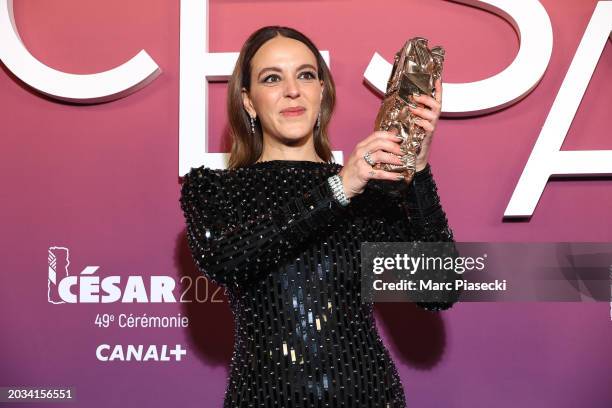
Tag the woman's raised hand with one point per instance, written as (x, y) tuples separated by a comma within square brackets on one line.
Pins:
[(427, 118), (357, 172), (383, 146)]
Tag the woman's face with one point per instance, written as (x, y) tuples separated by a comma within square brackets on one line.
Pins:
[(285, 92)]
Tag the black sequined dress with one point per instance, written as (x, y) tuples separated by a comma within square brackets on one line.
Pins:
[(289, 255)]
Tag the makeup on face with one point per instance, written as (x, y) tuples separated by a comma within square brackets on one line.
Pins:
[(293, 111), (286, 89)]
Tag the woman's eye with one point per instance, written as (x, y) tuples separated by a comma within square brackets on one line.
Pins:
[(308, 75), (271, 78)]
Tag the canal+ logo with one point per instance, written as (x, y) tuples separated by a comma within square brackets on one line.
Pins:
[(87, 287)]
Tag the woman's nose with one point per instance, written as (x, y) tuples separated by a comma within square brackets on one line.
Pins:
[(291, 88)]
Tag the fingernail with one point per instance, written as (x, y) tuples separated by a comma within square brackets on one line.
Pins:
[(400, 177)]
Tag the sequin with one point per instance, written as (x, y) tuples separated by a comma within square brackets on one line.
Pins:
[(289, 255)]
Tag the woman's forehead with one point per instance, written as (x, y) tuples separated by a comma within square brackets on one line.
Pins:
[(283, 52)]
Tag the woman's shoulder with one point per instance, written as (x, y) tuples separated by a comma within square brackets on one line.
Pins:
[(201, 181), (201, 174)]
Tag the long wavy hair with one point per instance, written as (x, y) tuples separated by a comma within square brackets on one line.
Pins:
[(247, 148)]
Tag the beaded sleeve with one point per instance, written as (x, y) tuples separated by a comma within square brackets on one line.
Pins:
[(419, 217), (230, 252)]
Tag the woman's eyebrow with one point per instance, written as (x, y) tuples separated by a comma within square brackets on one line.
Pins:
[(301, 67), (277, 69)]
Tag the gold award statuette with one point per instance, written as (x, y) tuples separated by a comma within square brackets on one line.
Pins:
[(415, 71)]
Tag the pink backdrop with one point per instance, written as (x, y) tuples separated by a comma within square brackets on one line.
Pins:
[(102, 180)]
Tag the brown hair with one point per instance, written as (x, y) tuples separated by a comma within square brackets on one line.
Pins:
[(246, 148)]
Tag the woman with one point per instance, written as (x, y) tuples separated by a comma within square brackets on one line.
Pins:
[(281, 229)]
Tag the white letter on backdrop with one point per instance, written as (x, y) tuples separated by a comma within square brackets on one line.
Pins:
[(86, 89), (546, 158), (532, 24)]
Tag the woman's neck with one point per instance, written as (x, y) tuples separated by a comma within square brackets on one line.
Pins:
[(298, 157), (274, 150)]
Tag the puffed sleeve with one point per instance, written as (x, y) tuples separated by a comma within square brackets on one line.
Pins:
[(232, 253), (419, 217)]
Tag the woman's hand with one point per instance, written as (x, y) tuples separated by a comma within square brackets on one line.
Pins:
[(428, 119), (357, 172), (383, 146)]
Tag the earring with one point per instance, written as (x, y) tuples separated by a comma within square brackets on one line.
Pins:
[(252, 125), (319, 120)]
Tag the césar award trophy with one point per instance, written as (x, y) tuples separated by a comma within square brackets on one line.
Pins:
[(415, 71)]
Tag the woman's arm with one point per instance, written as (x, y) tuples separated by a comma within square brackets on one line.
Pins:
[(427, 219), (420, 218), (232, 253)]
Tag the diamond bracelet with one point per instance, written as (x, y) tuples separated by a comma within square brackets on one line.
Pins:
[(335, 183)]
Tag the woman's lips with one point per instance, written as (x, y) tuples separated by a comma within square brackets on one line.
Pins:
[(293, 111)]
